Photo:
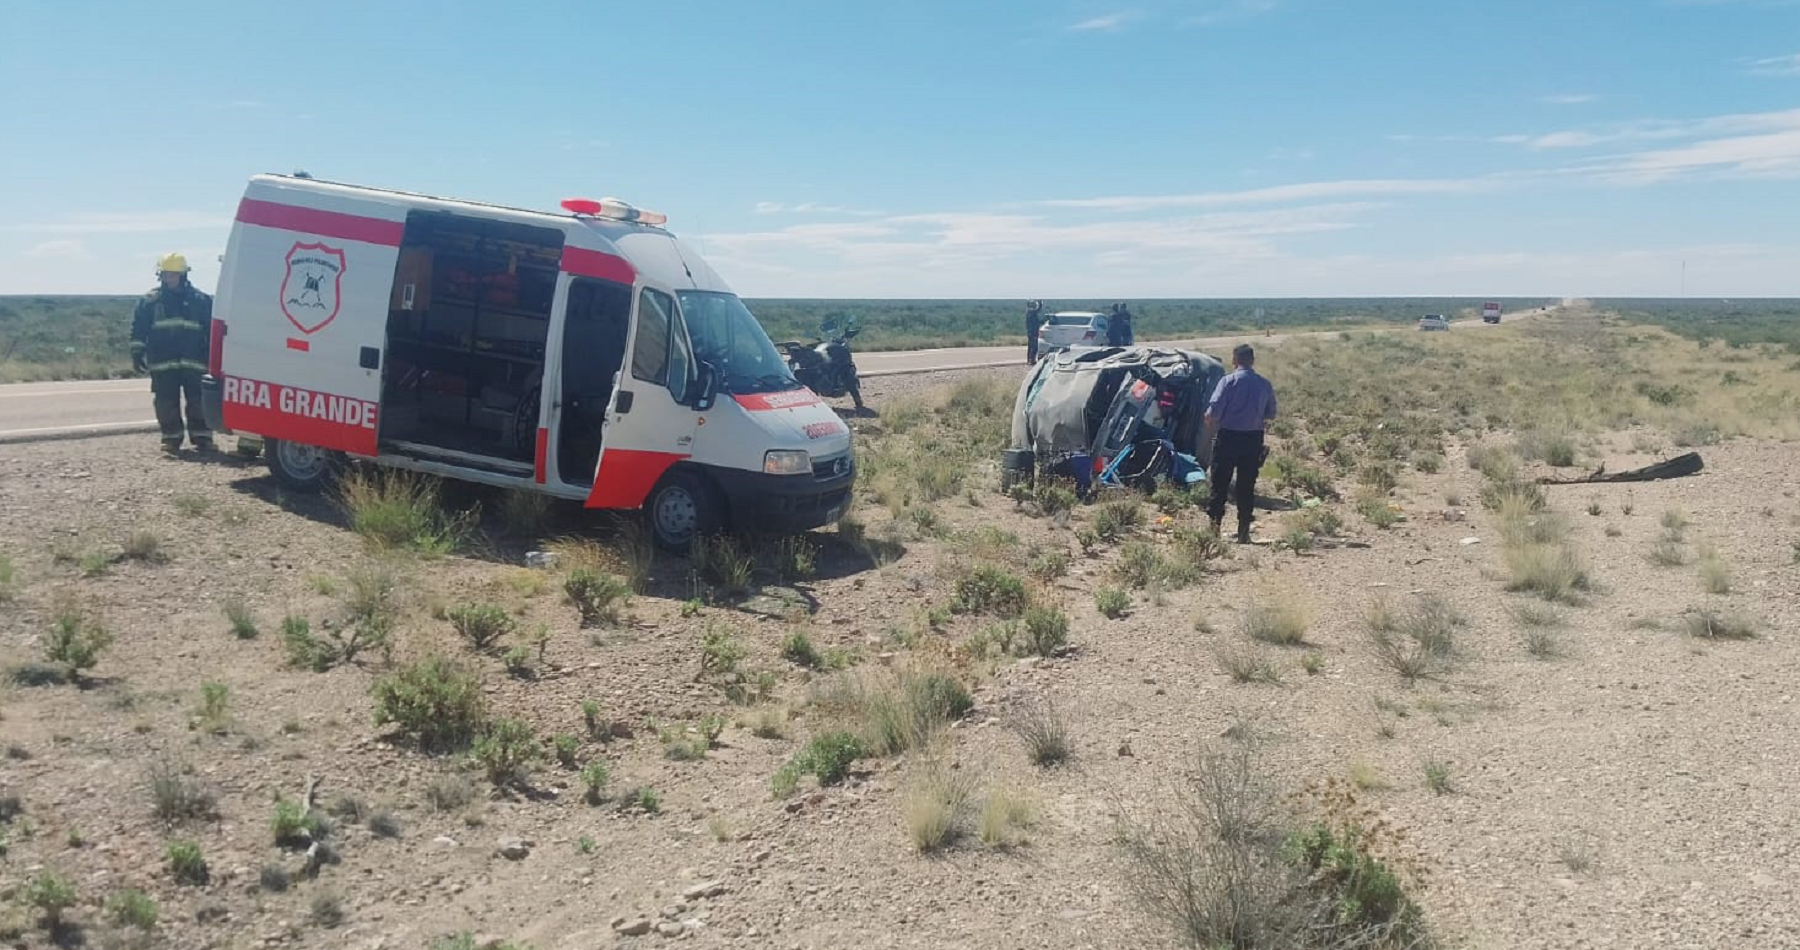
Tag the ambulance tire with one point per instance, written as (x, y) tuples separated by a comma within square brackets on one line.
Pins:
[(303, 468), (682, 507)]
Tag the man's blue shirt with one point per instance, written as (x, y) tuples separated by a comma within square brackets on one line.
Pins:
[(1243, 402)]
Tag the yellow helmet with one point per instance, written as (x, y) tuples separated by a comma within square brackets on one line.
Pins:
[(172, 264)]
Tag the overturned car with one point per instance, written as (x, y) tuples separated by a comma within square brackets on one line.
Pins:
[(1116, 415)]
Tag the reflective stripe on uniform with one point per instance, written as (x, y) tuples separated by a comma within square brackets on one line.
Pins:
[(175, 325), (167, 365)]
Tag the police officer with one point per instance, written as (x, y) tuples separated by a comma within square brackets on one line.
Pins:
[(1118, 327), (1240, 409), (1034, 319), (170, 333)]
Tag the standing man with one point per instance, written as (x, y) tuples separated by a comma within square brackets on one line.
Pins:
[(1241, 407), (1034, 319), (170, 334), (1118, 327)]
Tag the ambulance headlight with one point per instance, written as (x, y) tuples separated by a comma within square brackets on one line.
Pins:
[(787, 462)]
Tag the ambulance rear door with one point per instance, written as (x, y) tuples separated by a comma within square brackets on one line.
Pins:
[(304, 294)]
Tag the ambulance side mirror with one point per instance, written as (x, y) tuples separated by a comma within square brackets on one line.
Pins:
[(706, 386)]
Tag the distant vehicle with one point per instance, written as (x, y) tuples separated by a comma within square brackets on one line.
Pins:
[(1072, 328), (1433, 321), (1490, 312)]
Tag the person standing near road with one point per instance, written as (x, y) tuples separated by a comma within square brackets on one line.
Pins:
[(1118, 327), (170, 333), (1240, 409), (1034, 320)]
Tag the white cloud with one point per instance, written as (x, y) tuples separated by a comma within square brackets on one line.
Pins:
[(1569, 98), (1775, 155), (1214, 12), (1109, 23), (63, 249), (1304, 191), (130, 222), (811, 207), (1776, 66)]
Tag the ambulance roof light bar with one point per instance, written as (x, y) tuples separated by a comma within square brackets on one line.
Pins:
[(614, 209)]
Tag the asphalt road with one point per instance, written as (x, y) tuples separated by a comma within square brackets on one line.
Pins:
[(33, 411)]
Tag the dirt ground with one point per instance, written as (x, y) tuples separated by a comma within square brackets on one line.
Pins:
[(1637, 790)]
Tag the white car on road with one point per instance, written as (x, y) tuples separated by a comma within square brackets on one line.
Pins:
[(1072, 328), (1433, 321)]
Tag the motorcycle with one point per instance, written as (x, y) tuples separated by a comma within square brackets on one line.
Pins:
[(825, 366)]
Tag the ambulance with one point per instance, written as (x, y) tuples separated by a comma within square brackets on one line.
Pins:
[(587, 355)]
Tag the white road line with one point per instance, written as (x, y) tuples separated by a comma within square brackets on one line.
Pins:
[(50, 432), (70, 392)]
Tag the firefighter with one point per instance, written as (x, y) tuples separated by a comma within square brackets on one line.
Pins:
[(170, 334)]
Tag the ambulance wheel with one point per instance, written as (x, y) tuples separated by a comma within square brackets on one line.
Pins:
[(300, 467), (682, 507)]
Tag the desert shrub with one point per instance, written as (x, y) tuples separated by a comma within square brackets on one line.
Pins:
[(398, 510), (796, 558), (1282, 623), (292, 824), (594, 777), (132, 908), (1417, 640), (1049, 565), (1715, 574), (798, 649), (1247, 664), (1377, 511), (1046, 630), (1139, 563), (482, 624), (906, 711), (326, 909), (1040, 724), (1296, 478), (50, 894), (1112, 602), (1054, 498), (986, 589), (76, 638), (1668, 554), (186, 862), (827, 757), (525, 513), (935, 804), (506, 750), (214, 701), (1708, 623), (242, 620), (1005, 818), (1214, 862), (1115, 519), (598, 597), (305, 650), (1554, 572), (722, 562), (565, 745), (1198, 546), (1555, 447), (174, 798), (436, 701)]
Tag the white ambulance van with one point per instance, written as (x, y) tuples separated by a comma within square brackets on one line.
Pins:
[(588, 355)]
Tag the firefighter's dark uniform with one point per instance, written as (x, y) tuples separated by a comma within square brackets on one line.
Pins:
[(170, 334)]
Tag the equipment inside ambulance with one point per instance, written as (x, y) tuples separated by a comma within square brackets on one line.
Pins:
[(587, 355)]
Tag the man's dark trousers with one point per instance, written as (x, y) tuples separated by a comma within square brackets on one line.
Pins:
[(1237, 458), (167, 390)]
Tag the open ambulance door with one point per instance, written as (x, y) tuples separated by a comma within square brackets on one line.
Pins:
[(301, 347), (657, 405)]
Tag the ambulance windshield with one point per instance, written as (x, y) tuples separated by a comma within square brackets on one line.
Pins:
[(726, 335)]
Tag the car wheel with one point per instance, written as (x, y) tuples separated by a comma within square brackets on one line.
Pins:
[(682, 507), (305, 468)]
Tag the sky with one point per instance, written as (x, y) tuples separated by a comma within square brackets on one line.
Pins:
[(944, 148)]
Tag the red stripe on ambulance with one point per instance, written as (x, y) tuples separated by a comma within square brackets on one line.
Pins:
[(348, 227), (627, 475), (585, 263), (290, 413), (763, 402)]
